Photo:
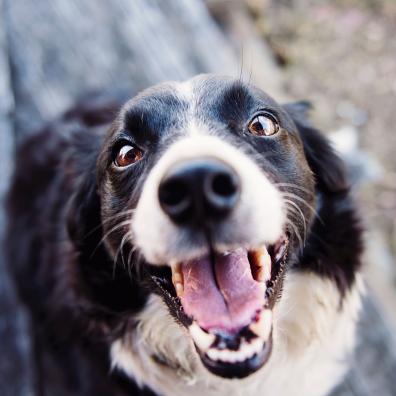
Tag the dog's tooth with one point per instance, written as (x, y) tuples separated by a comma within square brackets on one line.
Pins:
[(239, 356), (244, 351), (179, 289), (226, 356), (177, 278), (257, 345), (262, 262), (247, 350), (176, 272), (202, 339), (262, 256), (263, 274), (263, 326), (233, 356), (213, 354), (250, 349)]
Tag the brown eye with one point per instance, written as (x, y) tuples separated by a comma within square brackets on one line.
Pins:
[(128, 155), (263, 125)]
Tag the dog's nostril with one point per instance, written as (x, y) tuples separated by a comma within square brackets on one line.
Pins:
[(223, 184), (173, 192), (174, 197), (220, 192)]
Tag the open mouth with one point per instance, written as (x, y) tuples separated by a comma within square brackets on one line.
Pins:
[(225, 299)]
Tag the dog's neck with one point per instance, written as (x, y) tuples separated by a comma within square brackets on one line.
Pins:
[(311, 333)]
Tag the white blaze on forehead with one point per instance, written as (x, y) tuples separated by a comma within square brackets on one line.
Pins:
[(185, 90), (258, 217)]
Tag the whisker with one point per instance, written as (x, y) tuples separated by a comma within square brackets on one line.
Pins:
[(260, 157), (241, 68), (115, 228), (303, 201), (291, 219), (120, 250), (288, 201), (289, 222), (124, 213), (291, 185), (133, 249)]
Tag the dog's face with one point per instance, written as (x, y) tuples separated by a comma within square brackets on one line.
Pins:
[(206, 191)]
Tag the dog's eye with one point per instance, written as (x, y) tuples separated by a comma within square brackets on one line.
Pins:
[(263, 125), (127, 155)]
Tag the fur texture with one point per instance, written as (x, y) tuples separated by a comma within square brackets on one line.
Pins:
[(320, 345), (88, 280)]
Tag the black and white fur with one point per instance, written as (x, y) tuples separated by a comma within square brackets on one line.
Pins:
[(75, 264)]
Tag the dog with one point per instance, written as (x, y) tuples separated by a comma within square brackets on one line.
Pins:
[(200, 239)]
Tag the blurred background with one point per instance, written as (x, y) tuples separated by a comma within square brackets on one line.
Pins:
[(340, 55)]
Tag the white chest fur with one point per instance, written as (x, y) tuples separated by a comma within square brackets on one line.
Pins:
[(313, 337)]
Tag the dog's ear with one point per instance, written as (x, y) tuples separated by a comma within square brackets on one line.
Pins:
[(83, 210), (329, 169), (83, 216)]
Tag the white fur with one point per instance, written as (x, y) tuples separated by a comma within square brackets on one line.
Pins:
[(313, 337), (257, 219), (186, 90)]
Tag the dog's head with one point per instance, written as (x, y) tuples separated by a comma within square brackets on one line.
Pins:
[(207, 193)]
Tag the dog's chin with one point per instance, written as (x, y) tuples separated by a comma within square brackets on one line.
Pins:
[(226, 300)]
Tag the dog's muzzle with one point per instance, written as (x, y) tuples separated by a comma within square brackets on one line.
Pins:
[(212, 215)]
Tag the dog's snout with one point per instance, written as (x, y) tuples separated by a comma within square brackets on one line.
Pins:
[(198, 191)]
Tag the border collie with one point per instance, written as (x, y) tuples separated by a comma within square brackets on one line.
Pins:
[(200, 239)]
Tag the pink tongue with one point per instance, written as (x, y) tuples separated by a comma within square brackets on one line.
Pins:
[(225, 297)]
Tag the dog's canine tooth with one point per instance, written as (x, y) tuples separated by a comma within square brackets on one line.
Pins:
[(263, 326), (202, 339), (262, 260), (263, 274), (179, 289), (177, 278)]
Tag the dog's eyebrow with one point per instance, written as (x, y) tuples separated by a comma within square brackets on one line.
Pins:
[(135, 119), (238, 95), (235, 103), (153, 114)]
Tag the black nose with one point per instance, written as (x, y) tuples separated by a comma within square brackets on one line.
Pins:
[(199, 191)]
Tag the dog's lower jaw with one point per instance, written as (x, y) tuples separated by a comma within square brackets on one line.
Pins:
[(313, 336)]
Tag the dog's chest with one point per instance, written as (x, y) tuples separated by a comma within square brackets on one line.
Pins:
[(313, 336)]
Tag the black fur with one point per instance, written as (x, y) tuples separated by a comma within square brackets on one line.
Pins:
[(79, 298)]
